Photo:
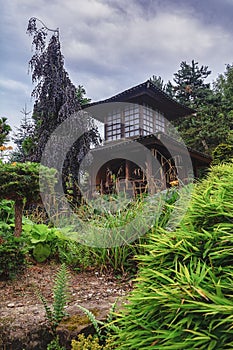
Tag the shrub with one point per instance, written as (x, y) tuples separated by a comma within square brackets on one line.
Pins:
[(22, 182), (183, 296), (12, 257), (223, 153), (90, 343)]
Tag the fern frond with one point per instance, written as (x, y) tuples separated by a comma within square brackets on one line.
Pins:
[(111, 311), (48, 311), (93, 320), (60, 294)]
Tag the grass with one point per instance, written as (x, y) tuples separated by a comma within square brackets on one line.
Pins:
[(183, 297)]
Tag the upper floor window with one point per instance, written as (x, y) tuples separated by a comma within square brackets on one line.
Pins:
[(153, 120), (148, 120), (131, 120), (113, 125), (159, 122)]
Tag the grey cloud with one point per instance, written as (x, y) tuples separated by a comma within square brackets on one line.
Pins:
[(111, 45)]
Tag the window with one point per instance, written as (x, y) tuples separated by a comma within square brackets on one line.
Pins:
[(148, 120), (113, 125), (131, 120), (159, 122)]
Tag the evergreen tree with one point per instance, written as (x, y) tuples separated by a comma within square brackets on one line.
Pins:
[(81, 92), (190, 88), (224, 87), (204, 130), (23, 137), (158, 82), (5, 130)]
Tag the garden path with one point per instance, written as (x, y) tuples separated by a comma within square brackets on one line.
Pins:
[(22, 316)]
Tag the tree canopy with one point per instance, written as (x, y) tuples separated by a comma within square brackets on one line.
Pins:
[(23, 137), (5, 129), (213, 121), (23, 182)]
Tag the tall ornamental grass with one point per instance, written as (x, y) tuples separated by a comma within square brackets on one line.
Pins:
[(184, 293)]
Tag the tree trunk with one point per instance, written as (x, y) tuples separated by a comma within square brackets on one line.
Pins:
[(18, 217)]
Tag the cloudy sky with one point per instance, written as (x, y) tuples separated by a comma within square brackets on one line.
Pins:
[(111, 45)]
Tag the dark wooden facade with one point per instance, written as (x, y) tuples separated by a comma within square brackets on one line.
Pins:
[(137, 119)]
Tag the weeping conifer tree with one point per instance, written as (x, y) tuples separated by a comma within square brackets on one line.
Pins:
[(56, 99)]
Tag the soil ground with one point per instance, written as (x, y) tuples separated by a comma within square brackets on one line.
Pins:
[(22, 315)]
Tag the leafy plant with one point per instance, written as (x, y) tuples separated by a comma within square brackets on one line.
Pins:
[(22, 182), (41, 252), (56, 312), (102, 340), (90, 343), (4, 131), (183, 295), (55, 345), (12, 256), (102, 329), (223, 153), (42, 240), (7, 211), (118, 216), (75, 255)]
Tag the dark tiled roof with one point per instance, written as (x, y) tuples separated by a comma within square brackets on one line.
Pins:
[(150, 94)]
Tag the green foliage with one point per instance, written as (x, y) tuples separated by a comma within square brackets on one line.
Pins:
[(55, 345), (224, 151), (75, 255), (4, 131), (90, 343), (56, 312), (81, 92), (96, 323), (224, 86), (158, 82), (42, 240), (49, 243), (24, 181), (6, 211), (102, 329), (21, 180), (213, 120), (190, 88), (23, 137), (41, 252), (183, 296), (116, 216), (12, 256), (13, 250)]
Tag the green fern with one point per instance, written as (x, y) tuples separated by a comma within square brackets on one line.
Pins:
[(56, 312), (108, 325), (60, 295), (48, 311), (93, 320), (111, 311)]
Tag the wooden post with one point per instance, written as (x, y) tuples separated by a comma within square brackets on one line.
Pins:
[(18, 216), (149, 174), (127, 173)]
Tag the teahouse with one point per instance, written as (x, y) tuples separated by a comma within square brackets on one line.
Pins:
[(141, 151)]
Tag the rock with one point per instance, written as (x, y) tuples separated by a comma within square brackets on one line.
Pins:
[(11, 305)]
